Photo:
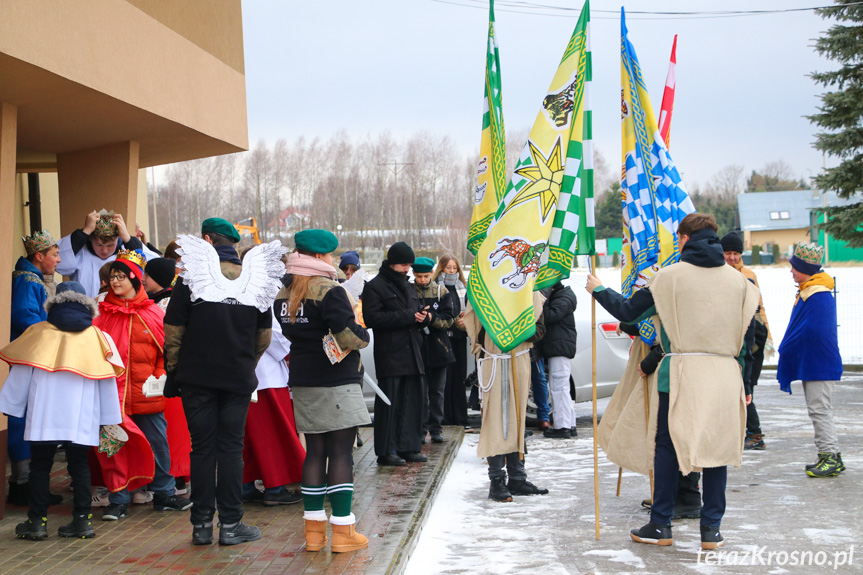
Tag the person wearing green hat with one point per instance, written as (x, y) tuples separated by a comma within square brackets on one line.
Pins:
[(437, 351), (326, 379), (213, 342)]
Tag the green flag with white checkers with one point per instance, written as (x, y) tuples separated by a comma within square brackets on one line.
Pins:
[(573, 231)]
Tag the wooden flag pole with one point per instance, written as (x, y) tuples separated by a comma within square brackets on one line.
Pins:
[(514, 370), (593, 377), (619, 479), (647, 423)]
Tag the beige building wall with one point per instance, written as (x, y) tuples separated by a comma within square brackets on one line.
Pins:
[(783, 238)]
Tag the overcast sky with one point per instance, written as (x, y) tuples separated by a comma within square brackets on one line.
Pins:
[(404, 66)]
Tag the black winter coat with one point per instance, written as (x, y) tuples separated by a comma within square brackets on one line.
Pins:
[(560, 336), (437, 350), (389, 305)]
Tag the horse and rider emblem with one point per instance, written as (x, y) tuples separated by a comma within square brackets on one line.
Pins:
[(525, 257)]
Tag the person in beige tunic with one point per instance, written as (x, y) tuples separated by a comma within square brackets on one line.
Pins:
[(698, 410), (501, 438)]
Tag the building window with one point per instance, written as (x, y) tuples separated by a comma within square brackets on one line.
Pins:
[(780, 215)]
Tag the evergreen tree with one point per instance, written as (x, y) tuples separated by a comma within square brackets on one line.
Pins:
[(841, 117)]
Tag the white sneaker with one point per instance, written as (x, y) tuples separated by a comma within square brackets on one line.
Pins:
[(100, 497), (142, 497)]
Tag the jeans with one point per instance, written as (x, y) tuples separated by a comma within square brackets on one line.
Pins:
[(42, 459), (514, 466), (666, 473), (558, 385), (818, 402), (155, 428), (539, 385), (217, 423)]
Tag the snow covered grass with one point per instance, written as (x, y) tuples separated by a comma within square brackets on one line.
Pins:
[(778, 293)]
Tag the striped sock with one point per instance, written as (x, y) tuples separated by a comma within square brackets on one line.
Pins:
[(313, 497), (340, 498)]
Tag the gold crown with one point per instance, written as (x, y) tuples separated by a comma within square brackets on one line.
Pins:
[(134, 256), (105, 227), (38, 242)]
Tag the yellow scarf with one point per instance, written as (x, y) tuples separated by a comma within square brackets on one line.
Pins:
[(817, 283)]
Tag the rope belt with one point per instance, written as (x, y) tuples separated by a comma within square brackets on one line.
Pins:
[(700, 353), (494, 357)]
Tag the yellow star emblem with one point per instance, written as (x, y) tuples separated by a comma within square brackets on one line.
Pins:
[(545, 175)]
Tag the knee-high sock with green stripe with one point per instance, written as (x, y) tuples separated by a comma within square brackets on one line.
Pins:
[(313, 497), (340, 498)]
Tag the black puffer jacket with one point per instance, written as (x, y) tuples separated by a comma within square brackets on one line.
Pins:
[(389, 305), (559, 340)]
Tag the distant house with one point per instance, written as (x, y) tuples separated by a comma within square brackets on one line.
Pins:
[(787, 218), (294, 219)]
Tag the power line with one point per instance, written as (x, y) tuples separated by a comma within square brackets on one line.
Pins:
[(535, 9)]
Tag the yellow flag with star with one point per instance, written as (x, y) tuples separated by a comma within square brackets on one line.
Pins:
[(501, 282)]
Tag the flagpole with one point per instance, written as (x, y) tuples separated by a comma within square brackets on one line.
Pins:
[(593, 378), (518, 430)]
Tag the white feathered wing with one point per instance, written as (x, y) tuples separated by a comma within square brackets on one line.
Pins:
[(259, 282)]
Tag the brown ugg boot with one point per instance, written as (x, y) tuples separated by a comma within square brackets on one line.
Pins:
[(316, 535), (345, 539)]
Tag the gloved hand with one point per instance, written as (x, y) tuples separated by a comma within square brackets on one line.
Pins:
[(172, 387)]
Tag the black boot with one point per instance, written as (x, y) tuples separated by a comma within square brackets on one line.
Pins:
[(524, 487), (652, 534), (711, 538), (81, 527), (498, 491), (33, 530), (19, 494)]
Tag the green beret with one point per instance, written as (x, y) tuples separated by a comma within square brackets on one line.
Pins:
[(221, 227), (316, 241), (423, 265)]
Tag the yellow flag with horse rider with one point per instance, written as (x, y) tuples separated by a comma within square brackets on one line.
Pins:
[(501, 283)]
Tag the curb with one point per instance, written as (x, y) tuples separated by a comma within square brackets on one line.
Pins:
[(399, 562)]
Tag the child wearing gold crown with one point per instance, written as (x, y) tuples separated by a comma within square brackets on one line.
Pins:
[(136, 324), (29, 292), (85, 250)]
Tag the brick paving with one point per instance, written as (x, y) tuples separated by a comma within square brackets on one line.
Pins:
[(390, 504)]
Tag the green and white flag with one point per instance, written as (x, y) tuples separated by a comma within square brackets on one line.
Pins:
[(573, 231), (491, 169)]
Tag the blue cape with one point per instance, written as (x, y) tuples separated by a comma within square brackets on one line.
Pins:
[(810, 349)]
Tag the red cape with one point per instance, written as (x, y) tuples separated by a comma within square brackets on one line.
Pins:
[(272, 451)]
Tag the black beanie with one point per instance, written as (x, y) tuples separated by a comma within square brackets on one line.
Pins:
[(162, 271), (731, 242), (400, 253)]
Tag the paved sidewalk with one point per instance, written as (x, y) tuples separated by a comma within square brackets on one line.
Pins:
[(389, 502)]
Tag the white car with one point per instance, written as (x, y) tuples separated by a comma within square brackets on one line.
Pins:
[(612, 353)]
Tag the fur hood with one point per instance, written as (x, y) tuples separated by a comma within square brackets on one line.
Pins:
[(72, 297)]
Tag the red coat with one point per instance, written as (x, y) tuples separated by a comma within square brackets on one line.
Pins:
[(137, 326)]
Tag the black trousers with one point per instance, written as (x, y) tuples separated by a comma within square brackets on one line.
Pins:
[(398, 427), (217, 423), (41, 461), (433, 408), (666, 473), (455, 394)]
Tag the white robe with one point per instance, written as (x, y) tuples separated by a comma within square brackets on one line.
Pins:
[(84, 266), (272, 371), (60, 406)]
